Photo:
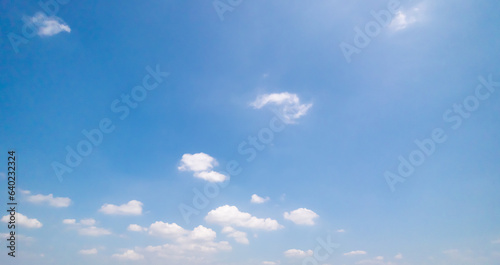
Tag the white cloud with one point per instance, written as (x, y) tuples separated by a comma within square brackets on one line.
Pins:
[(88, 221), (48, 199), (211, 176), (166, 230), (202, 164), (230, 216), (197, 162), (133, 207), (86, 227), (239, 236), (91, 251), (269, 263), (24, 221), (136, 228), (129, 255), (340, 231), (94, 231), (301, 216), (48, 26), (69, 221), (297, 253), (495, 241), (355, 252), (398, 256), (186, 243), (288, 105), (405, 18), (257, 199)]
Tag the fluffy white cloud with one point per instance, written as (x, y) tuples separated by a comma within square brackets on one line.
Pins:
[(230, 216), (48, 199), (23, 221), (202, 164), (93, 231), (355, 252), (398, 256), (91, 251), (129, 255), (166, 230), (301, 216), (239, 236), (197, 162), (297, 253), (269, 263), (48, 26), (133, 207), (340, 231), (257, 199), (211, 176), (136, 228), (288, 105)]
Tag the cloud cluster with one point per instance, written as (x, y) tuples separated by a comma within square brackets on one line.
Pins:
[(301, 216), (230, 216), (86, 227), (202, 164), (185, 242), (287, 105), (133, 207)]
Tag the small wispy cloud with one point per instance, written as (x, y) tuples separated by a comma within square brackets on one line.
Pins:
[(92, 251), (355, 252), (49, 26), (405, 18), (297, 253), (58, 202), (257, 199), (288, 105)]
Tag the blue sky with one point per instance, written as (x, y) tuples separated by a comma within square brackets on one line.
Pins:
[(252, 132)]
